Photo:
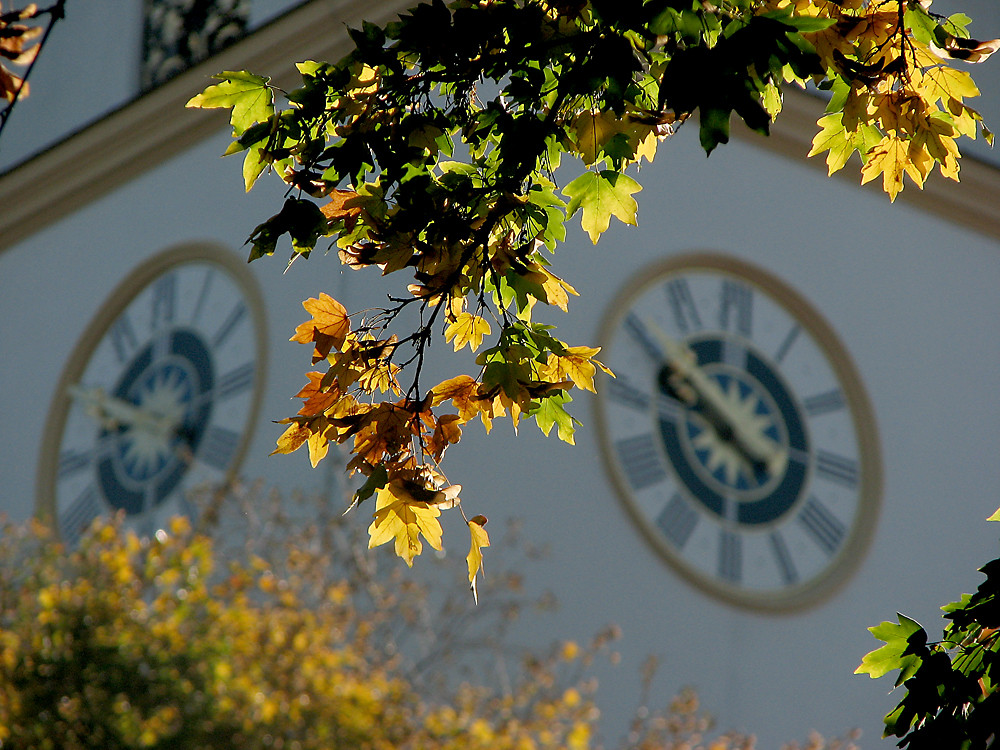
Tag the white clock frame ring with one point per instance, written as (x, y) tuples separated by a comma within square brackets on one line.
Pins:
[(852, 549), (113, 305)]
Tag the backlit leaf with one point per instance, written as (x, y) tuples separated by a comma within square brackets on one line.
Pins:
[(883, 660), (480, 539), (602, 195), (399, 517), (467, 329), (326, 329), (249, 96)]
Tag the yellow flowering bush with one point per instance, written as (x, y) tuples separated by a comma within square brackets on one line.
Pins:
[(276, 632)]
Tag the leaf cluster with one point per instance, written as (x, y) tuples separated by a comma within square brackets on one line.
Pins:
[(895, 97), (951, 698), (433, 149)]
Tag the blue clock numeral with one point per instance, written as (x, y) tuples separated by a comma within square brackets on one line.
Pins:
[(123, 338), (736, 311), (235, 381), (824, 528), (682, 305), (730, 557), (678, 520), (787, 342), (641, 461), (837, 469), (625, 393), (824, 403), (637, 330), (229, 324), (784, 559), (72, 462), (84, 509), (164, 295)]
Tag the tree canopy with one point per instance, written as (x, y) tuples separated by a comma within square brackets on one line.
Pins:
[(433, 151)]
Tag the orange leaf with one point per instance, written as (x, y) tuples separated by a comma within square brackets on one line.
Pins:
[(328, 327)]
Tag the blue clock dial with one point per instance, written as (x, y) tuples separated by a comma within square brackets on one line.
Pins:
[(160, 394), (737, 432), (705, 453)]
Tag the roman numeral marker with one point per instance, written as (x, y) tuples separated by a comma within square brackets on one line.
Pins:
[(235, 381), (641, 461), (824, 528), (730, 557), (824, 403), (682, 305), (837, 469), (678, 520)]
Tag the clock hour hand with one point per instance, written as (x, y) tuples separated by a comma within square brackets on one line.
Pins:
[(112, 412), (731, 424)]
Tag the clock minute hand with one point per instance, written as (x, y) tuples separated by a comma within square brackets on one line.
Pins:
[(752, 442), (111, 412)]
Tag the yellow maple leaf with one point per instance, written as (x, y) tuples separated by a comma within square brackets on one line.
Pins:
[(293, 437), (400, 517), (889, 158), (467, 329), (480, 539), (557, 291), (576, 364), (593, 131), (319, 443), (461, 389), (326, 329), (942, 82)]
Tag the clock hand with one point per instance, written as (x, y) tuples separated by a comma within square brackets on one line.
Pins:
[(112, 412), (757, 447)]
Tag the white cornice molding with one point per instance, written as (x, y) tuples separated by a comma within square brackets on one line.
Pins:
[(155, 127)]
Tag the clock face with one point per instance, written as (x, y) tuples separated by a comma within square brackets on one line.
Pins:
[(738, 432), (159, 396)]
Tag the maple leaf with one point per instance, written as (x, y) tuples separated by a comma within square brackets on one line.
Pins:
[(552, 411), (480, 539), (461, 389), (834, 138), (576, 363), (328, 327), (249, 95), (447, 431), (944, 83), (602, 195), (889, 158), (317, 399), (467, 329), (557, 291), (343, 206), (319, 442), (401, 518), (593, 131), (293, 437)]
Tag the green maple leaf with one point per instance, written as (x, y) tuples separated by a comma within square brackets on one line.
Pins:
[(602, 195), (249, 95), (891, 656), (551, 411)]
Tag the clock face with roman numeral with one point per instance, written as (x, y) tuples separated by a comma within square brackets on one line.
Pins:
[(738, 432), (159, 396)]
